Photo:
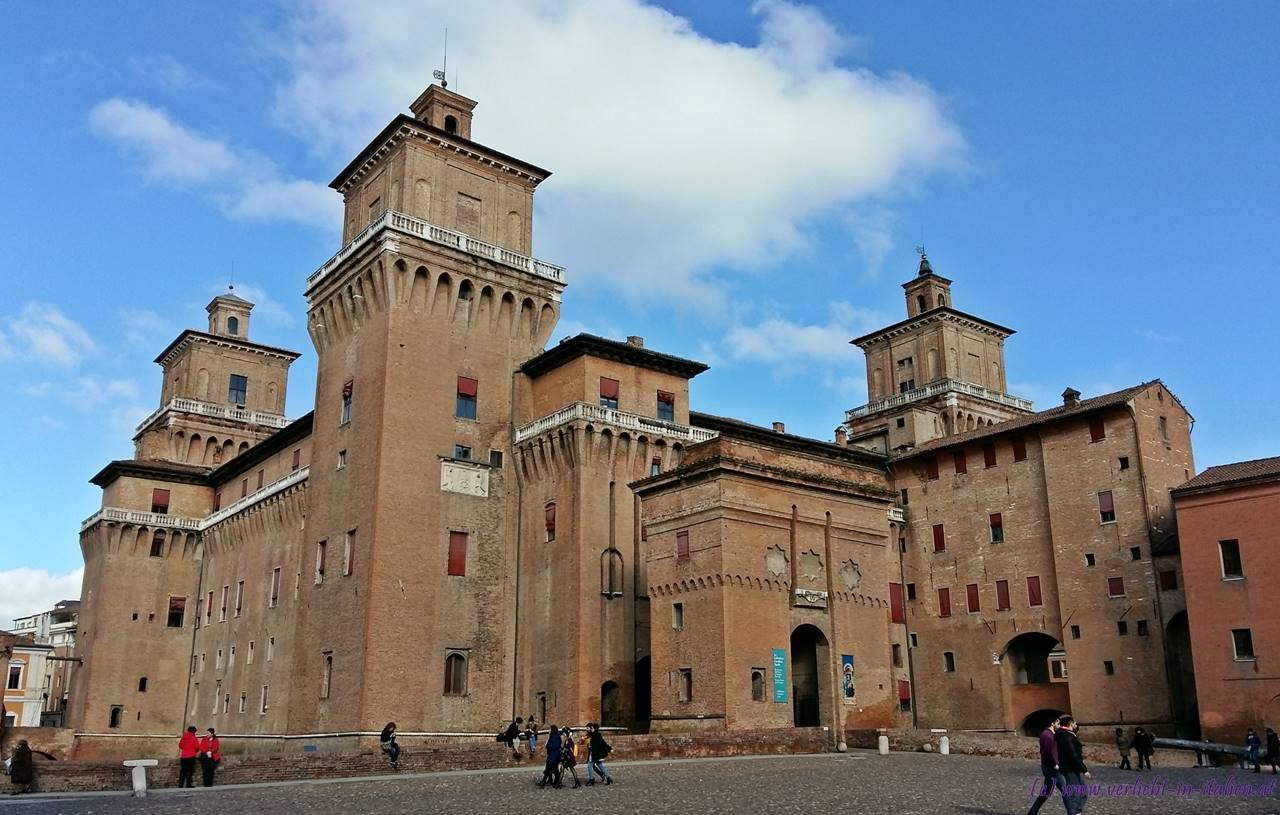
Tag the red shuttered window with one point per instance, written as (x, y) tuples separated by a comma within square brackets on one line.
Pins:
[(1115, 587), (608, 392), (458, 554), (989, 455), (1019, 449), (944, 602), (1106, 507), (1033, 592), (682, 545), (975, 602), (160, 501), (1097, 430), (467, 387), (897, 611), (1168, 580), (962, 462), (939, 538), (1002, 595), (931, 469)]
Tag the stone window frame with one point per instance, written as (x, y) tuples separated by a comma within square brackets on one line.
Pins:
[(452, 656)]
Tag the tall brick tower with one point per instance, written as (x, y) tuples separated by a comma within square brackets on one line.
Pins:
[(938, 372), (420, 323)]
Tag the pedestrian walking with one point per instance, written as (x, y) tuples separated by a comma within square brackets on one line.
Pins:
[(1142, 744), (1048, 766), (551, 772), (210, 756), (188, 749), (387, 741), (1123, 744), (597, 751), (511, 736), (569, 756), (22, 769), (1273, 751), (1253, 745), (1074, 771)]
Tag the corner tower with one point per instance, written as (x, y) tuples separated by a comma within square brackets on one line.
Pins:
[(938, 372), (420, 322)]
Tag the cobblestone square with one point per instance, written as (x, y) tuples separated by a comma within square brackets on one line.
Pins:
[(901, 783)]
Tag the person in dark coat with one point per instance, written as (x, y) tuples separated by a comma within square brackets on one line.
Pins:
[(597, 751), (22, 769), (1123, 744), (1074, 770), (1273, 751), (1253, 746), (210, 756), (1142, 744), (511, 736), (569, 756), (1048, 766), (551, 773), (188, 749), (387, 741)]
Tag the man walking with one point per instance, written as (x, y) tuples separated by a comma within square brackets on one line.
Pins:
[(1048, 766), (597, 751), (1273, 751), (1123, 743), (1253, 745), (188, 749), (1074, 772), (1142, 743)]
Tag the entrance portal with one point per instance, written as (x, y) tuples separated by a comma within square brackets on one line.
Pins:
[(808, 652)]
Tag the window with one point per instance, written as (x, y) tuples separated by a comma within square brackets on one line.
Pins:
[(117, 713), (989, 455), (682, 545), (195, 663), (455, 675), (248, 660), (342, 459), (913, 640), (1106, 507), (961, 460), (997, 527), (1019, 449), (1122, 628), (757, 685), (244, 487), (239, 597), (243, 699), (495, 459), (157, 544), (1115, 587), (666, 406), (1097, 430), (271, 648), (1135, 552), (261, 477), (237, 389), (177, 611), (160, 501), (948, 662), (451, 125), (902, 422), (655, 465), (911, 591), (904, 694), (1108, 667), (347, 390), (222, 609), (208, 609), (1124, 462), (1059, 669), (1142, 628), (608, 392), (1075, 632), (348, 552), (611, 573), (233, 326), (895, 655), (1002, 595), (15, 677), (262, 704), (1230, 553), (975, 602), (550, 518), (944, 602), (1242, 639), (462, 451), (1164, 428), (902, 545), (907, 385), (457, 554), (1168, 579), (686, 684), (897, 610), (142, 685), (677, 616), (1089, 559), (466, 404), (274, 598), (1034, 597), (326, 676), (321, 548), (217, 500), (217, 662), (931, 469), (939, 538)]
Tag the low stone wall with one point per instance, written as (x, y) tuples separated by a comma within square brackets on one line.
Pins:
[(420, 756), (1008, 745), (58, 742)]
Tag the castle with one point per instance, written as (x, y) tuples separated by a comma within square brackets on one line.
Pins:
[(471, 526)]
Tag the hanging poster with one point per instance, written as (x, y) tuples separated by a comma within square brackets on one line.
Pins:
[(846, 675), (779, 675)]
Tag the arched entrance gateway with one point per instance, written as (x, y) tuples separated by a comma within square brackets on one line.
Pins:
[(1182, 677), (1035, 677), (809, 651)]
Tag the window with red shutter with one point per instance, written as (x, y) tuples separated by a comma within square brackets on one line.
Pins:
[(1019, 449), (1115, 587), (1106, 507), (217, 500), (962, 462), (904, 690), (1033, 592), (1168, 580), (944, 602), (997, 527), (682, 545), (550, 516), (457, 554), (608, 392), (931, 469), (297, 458), (897, 611), (1097, 430), (160, 501), (261, 475), (467, 386), (1002, 595), (939, 538), (666, 406), (465, 406), (989, 455), (975, 602)]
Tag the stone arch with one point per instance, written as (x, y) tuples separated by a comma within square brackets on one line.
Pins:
[(1038, 720), (244, 448), (484, 309), (811, 697), (525, 328), (212, 452), (506, 313), (418, 289), (228, 450), (443, 294)]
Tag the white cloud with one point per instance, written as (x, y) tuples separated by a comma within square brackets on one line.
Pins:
[(679, 160), (42, 333), (170, 74), (872, 230), (142, 325), (244, 185), (788, 346), (26, 591), (119, 400)]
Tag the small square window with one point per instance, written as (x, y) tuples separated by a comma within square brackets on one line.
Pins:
[(462, 451), (1168, 580), (1075, 632), (902, 497), (913, 640), (1122, 628), (1108, 667), (911, 591), (1115, 587), (902, 422), (1124, 462), (1135, 552), (1142, 628), (495, 459), (1089, 559)]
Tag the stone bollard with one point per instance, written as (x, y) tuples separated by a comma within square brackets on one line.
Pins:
[(139, 771), (944, 746), (883, 744)]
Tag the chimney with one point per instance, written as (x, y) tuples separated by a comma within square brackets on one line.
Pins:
[(842, 438), (779, 427), (638, 342), (1071, 397)]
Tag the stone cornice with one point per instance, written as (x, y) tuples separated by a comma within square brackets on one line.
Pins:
[(190, 337), (947, 315), (709, 465)]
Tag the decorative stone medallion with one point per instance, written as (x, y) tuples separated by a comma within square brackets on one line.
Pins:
[(775, 561), (810, 566), (851, 574)]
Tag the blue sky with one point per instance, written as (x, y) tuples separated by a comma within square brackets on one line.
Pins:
[(741, 184)]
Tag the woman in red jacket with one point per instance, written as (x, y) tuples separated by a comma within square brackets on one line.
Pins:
[(210, 756), (188, 749)]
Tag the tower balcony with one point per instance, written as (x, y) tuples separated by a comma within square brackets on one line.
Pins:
[(149, 519), (583, 411), (393, 221), (933, 389), (232, 412)]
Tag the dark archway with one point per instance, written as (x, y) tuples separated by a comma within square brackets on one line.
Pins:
[(1038, 721), (610, 705), (1028, 658), (1182, 677), (643, 686), (808, 652)]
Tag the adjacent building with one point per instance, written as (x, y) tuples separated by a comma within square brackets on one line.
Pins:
[(55, 627)]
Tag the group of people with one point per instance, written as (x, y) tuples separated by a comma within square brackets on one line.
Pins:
[(206, 749), (565, 751), (1253, 748), (1062, 765), (1140, 743)]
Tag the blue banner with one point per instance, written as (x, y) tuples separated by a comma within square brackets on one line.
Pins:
[(780, 675), (846, 672)]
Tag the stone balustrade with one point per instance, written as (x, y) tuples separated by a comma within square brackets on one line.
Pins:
[(155, 519), (582, 411), (233, 412), (934, 389)]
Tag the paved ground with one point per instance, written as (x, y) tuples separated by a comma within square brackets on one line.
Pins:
[(898, 784)]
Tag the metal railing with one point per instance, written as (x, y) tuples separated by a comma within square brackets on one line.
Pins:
[(582, 411), (934, 389)]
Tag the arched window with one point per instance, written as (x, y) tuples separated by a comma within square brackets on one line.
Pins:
[(757, 685), (450, 125), (157, 544), (455, 675), (233, 325), (142, 685), (942, 301), (920, 302), (116, 713), (611, 573), (465, 290), (610, 704)]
